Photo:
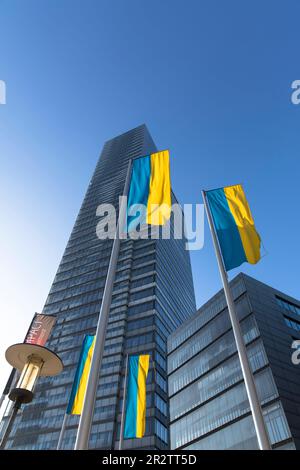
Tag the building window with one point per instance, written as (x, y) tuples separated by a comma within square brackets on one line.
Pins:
[(161, 381), (139, 340), (161, 405), (161, 361), (292, 323), (289, 306), (161, 431)]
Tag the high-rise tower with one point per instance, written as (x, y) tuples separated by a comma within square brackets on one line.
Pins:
[(153, 293)]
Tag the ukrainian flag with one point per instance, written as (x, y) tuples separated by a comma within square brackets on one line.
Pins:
[(135, 417), (75, 404), (150, 191), (234, 224)]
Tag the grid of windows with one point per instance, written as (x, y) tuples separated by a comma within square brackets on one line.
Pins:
[(241, 435), (216, 381), (209, 407), (223, 409)]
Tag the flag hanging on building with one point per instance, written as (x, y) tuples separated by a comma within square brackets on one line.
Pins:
[(234, 224), (75, 404), (135, 415), (149, 197), (40, 329)]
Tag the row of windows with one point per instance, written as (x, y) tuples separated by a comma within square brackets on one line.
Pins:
[(241, 435), (135, 341), (142, 260), (73, 302), (140, 308), (203, 338), (206, 313), (142, 282), (215, 382), (161, 382), (141, 294), (292, 323), (140, 323), (161, 405), (223, 409), (217, 352), (145, 269), (94, 275), (150, 321), (286, 305)]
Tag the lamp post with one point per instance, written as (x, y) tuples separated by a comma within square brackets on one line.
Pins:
[(32, 361)]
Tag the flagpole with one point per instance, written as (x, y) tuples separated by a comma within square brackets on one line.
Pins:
[(86, 418), (260, 427), (62, 432), (123, 405)]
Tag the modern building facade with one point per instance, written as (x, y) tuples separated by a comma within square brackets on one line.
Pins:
[(209, 408), (153, 294)]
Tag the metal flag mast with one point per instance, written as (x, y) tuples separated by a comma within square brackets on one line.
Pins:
[(62, 432), (85, 423), (260, 428), (124, 404)]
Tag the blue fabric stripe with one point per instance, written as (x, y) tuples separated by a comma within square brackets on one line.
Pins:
[(227, 231), (132, 393), (87, 343), (139, 191)]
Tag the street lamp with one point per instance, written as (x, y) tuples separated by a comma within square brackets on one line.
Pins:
[(32, 361)]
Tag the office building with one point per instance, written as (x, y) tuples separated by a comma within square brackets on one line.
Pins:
[(209, 408), (153, 294)]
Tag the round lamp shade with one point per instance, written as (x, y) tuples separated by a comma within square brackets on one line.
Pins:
[(17, 355)]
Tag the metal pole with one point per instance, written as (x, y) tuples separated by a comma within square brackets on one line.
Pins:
[(259, 423), (123, 405), (62, 432), (10, 423), (2, 399), (86, 417)]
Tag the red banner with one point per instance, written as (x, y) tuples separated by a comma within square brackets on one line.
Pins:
[(40, 329)]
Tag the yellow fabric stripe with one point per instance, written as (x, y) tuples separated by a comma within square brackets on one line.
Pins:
[(159, 199), (241, 213), (141, 395), (78, 400)]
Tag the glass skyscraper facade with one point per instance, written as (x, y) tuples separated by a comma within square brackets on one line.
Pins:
[(153, 294), (209, 408)]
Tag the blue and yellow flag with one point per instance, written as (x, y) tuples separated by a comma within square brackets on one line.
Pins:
[(135, 417), (234, 224), (75, 404), (149, 197)]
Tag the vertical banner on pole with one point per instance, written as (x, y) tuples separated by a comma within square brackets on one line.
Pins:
[(40, 329), (260, 428), (78, 390), (135, 415)]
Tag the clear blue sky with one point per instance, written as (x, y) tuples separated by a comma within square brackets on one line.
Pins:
[(211, 79)]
